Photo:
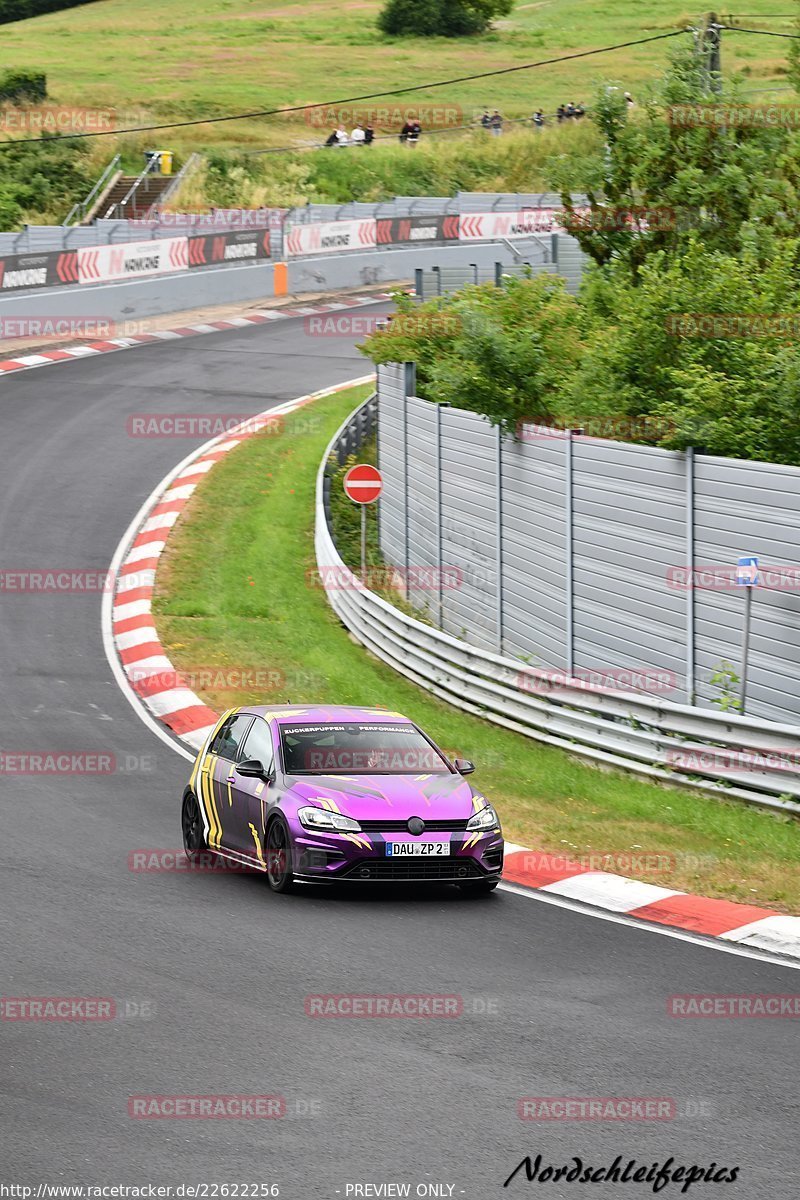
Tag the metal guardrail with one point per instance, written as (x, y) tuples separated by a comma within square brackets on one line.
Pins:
[(78, 211), (624, 730)]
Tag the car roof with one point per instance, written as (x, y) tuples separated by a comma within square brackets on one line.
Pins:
[(329, 714)]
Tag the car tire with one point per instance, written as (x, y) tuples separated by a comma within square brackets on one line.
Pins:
[(278, 853), (194, 839), (483, 888)]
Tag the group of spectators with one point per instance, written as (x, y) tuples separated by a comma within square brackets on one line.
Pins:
[(364, 135)]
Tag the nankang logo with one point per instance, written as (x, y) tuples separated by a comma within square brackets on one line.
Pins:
[(34, 277)]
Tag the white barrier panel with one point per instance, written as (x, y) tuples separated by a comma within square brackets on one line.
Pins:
[(328, 237), (129, 260)]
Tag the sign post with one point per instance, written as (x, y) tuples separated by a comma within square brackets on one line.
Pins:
[(363, 485), (746, 577)]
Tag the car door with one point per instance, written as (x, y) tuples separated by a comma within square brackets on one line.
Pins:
[(225, 750), (251, 794)]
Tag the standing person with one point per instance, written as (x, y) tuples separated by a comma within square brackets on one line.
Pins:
[(560, 114), (569, 111), (496, 124), (538, 119), (369, 134), (341, 136), (410, 133), (358, 137), (333, 139), (486, 120), (579, 111)]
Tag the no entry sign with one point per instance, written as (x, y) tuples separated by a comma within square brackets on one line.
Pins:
[(363, 483)]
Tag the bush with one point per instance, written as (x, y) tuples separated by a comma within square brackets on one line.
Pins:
[(23, 85), (21, 10), (440, 18)]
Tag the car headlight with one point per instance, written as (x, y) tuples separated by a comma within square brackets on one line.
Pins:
[(321, 818), (485, 819)]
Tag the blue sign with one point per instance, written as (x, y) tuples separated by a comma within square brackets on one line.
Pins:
[(747, 572)]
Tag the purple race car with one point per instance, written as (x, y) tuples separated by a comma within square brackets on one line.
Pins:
[(317, 795)]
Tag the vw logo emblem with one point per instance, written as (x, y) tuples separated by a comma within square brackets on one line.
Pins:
[(416, 825)]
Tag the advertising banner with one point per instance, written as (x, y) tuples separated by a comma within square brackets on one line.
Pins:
[(19, 271), (132, 260), (413, 230), (331, 237), (241, 246)]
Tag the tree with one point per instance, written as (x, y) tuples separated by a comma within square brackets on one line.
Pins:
[(440, 18), (679, 173)]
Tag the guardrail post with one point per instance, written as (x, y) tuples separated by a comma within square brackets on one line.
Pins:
[(419, 286), (499, 533), (570, 551), (554, 248), (439, 506), (409, 389), (438, 273), (690, 615)]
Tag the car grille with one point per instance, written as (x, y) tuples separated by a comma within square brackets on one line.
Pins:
[(402, 826), (424, 868)]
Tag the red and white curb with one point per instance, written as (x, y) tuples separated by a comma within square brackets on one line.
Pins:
[(128, 621), (27, 362), (743, 924), (153, 686)]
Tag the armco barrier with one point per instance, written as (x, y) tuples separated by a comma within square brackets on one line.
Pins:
[(616, 729)]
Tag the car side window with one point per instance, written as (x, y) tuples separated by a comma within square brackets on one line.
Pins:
[(227, 742), (259, 744)]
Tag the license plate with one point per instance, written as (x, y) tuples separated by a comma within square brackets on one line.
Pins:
[(416, 849)]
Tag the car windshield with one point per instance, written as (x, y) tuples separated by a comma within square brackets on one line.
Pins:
[(359, 749)]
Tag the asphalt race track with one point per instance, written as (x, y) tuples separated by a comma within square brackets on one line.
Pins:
[(556, 1003)]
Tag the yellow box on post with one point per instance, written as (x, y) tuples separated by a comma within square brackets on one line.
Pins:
[(166, 162)]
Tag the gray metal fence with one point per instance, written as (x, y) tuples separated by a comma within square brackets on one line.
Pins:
[(570, 554)]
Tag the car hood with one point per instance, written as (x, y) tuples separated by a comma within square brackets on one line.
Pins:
[(391, 797)]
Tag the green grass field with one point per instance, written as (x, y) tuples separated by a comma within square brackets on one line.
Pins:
[(262, 608), (153, 61)]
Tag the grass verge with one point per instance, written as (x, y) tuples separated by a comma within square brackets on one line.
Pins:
[(237, 589)]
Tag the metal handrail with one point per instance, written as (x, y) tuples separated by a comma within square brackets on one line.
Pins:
[(623, 730), (83, 206), (152, 163)]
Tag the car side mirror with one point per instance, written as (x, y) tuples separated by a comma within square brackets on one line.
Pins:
[(464, 766), (253, 768)]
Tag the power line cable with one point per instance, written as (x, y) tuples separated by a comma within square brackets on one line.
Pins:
[(417, 87)]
